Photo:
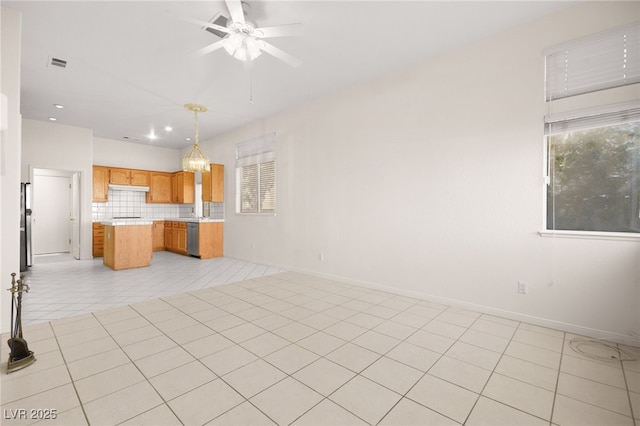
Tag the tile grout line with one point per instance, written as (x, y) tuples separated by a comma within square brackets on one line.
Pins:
[(246, 293), (73, 382), (218, 377)]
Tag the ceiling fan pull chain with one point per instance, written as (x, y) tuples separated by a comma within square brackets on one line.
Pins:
[(251, 83)]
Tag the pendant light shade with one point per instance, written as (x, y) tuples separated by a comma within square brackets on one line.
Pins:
[(195, 160)]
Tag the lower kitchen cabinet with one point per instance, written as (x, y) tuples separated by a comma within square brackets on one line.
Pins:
[(168, 240), (180, 238), (98, 239), (158, 235), (175, 237), (211, 239)]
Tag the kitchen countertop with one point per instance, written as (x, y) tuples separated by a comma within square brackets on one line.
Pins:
[(143, 221), (120, 222), (193, 219)]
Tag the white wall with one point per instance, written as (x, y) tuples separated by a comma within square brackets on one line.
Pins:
[(109, 152), (48, 145), (10, 34), (429, 182)]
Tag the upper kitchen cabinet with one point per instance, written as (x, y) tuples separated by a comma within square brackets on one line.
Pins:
[(159, 188), (129, 177), (100, 184), (213, 184), (183, 187)]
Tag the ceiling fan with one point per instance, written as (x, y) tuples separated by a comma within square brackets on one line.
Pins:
[(244, 41)]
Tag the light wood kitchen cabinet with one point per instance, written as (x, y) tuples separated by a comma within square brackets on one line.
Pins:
[(183, 184), (175, 237), (119, 176), (180, 237), (159, 188), (127, 246), (139, 178), (98, 239), (158, 235), (100, 184), (213, 184), (168, 236), (128, 177), (210, 239)]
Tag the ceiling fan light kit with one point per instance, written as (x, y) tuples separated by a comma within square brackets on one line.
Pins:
[(195, 160), (242, 44), (241, 39)]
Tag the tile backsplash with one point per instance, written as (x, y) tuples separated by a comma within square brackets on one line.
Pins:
[(133, 203)]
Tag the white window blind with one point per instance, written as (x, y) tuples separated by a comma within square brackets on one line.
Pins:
[(597, 62), (256, 171), (593, 118), (258, 150)]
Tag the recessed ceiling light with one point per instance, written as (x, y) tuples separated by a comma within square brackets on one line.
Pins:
[(58, 106), (187, 139), (152, 136), (52, 119), (168, 128)]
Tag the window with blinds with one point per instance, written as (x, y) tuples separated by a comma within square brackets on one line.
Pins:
[(256, 172), (597, 62), (594, 170), (593, 161)]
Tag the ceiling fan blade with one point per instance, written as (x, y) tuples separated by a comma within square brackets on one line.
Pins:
[(235, 10), (279, 31), (210, 48), (281, 54), (207, 24)]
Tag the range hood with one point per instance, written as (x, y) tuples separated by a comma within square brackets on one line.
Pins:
[(128, 188)]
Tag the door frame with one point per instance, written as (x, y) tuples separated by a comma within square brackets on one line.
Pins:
[(75, 180)]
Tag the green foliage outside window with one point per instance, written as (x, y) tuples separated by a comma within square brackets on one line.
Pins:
[(595, 180)]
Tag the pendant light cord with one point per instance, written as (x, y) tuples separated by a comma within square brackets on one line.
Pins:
[(195, 124)]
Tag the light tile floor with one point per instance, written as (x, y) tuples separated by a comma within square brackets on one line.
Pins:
[(287, 348), (62, 286)]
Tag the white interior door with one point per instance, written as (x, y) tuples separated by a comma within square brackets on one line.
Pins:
[(51, 213), (75, 215)]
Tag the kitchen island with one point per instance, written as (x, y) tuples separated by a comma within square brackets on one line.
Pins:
[(127, 243)]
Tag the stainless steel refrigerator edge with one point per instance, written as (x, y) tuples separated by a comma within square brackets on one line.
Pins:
[(26, 255)]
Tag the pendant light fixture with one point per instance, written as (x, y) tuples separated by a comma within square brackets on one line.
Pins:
[(195, 160)]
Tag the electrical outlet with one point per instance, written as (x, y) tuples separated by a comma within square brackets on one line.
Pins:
[(523, 287), (321, 257)]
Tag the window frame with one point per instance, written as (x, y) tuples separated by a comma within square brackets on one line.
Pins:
[(591, 71), (256, 152), (626, 112)]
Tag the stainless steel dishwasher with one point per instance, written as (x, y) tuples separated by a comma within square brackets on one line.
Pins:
[(193, 246)]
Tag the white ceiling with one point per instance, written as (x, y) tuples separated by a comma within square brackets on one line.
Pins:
[(131, 65)]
